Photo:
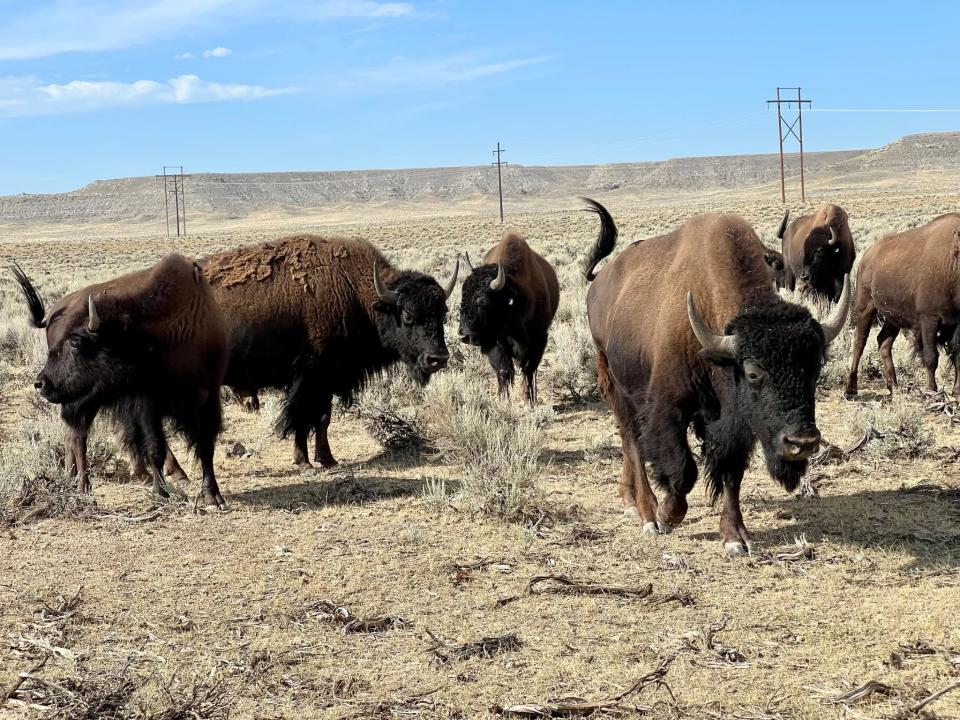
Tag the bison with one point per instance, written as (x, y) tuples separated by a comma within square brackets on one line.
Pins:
[(911, 281), (818, 251), (690, 331), (317, 317), (506, 309), (144, 347)]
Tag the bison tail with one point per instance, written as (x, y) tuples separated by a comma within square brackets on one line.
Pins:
[(606, 240), (30, 294), (783, 224)]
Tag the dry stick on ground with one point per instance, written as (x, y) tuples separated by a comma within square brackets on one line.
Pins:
[(832, 452), (21, 678), (917, 707), (576, 706), (566, 585), (443, 652), (349, 623), (867, 690)]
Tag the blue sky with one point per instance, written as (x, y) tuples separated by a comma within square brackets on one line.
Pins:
[(94, 89)]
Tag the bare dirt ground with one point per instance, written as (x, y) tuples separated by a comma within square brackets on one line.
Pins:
[(858, 583)]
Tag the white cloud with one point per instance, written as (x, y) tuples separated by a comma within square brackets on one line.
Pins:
[(406, 72), (217, 52), (51, 27), (183, 56), (26, 95)]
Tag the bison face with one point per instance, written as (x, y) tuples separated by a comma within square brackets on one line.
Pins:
[(487, 304), (771, 356), (773, 379), (82, 361), (825, 262), (414, 308)]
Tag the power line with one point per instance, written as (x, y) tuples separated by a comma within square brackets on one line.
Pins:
[(173, 186), (498, 152), (794, 128)]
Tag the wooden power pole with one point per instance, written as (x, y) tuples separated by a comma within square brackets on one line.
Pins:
[(499, 151), (786, 127)]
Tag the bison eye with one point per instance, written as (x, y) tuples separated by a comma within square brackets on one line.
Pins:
[(754, 373)]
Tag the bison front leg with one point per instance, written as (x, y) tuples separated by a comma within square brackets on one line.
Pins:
[(75, 459), (726, 452), (530, 364), (665, 434), (322, 453), (733, 532)]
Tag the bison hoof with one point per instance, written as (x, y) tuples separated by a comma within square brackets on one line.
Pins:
[(736, 548), (326, 462), (650, 528)]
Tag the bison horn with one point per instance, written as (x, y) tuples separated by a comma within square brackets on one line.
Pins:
[(448, 290), (833, 237), (466, 257), (385, 294), (718, 345), (500, 280), (93, 323), (838, 316)]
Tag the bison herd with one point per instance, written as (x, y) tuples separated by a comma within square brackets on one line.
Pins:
[(689, 328)]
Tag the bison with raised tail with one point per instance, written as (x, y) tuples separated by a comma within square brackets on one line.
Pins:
[(690, 331), (818, 251), (507, 306), (911, 281), (144, 347), (317, 317)]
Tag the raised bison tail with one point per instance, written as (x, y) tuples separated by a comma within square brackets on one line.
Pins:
[(606, 240), (783, 224), (30, 294)]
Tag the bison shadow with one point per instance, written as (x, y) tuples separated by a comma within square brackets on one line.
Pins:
[(320, 492), (924, 524)]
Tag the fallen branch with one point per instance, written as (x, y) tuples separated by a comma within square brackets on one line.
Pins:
[(865, 691), (566, 585), (926, 701), (573, 706), (22, 678), (486, 647), (341, 615)]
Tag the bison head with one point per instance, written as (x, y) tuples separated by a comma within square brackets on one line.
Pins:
[(773, 354), (487, 302), (86, 356), (413, 307), (825, 261)]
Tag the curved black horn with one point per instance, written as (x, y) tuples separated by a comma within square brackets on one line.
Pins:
[(835, 321), (383, 292), (466, 257), (498, 283), (448, 290), (719, 345)]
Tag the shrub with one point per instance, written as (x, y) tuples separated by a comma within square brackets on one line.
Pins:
[(390, 411)]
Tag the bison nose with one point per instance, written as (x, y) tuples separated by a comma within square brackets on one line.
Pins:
[(801, 444), (437, 361)]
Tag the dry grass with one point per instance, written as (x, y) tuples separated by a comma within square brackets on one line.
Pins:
[(186, 615)]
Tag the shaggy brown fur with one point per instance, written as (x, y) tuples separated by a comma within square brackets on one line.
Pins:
[(809, 255), (911, 281), (156, 349), (305, 316), (659, 379), (512, 322)]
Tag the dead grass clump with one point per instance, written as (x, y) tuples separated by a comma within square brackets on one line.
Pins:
[(496, 442), (898, 427), (330, 612), (571, 371), (389, 411)]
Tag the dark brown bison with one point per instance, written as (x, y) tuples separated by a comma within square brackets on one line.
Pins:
[(911, 281), (818, 251), (506, 309), (145, 347), (690, 331), (774, 260), (317, 317)]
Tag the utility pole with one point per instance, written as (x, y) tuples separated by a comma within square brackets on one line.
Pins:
[(499, 163), (173, 186), (785, 128)]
